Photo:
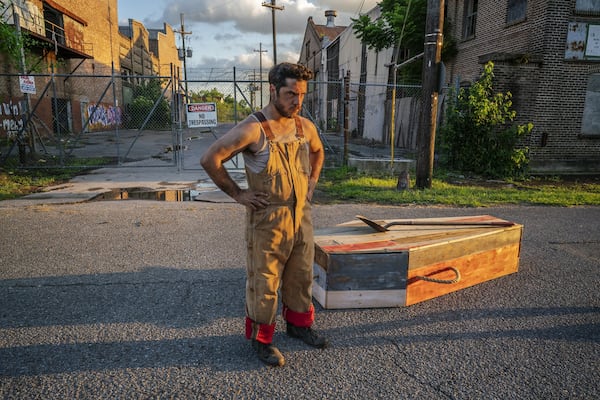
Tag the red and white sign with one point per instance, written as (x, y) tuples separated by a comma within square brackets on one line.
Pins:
[(27, 84), (201, 115)]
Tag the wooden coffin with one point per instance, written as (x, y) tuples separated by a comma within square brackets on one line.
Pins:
[(412, 261)]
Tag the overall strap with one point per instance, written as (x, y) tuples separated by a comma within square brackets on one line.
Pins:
[(299, 132), (265, 124), (267, 128)]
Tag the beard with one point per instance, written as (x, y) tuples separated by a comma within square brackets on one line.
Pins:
[(288, 113)]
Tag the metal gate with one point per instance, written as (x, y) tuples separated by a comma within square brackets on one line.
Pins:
[(238, 93), (116, 120), (107, 120)]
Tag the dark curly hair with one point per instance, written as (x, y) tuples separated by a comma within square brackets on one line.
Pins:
[(279, 73)]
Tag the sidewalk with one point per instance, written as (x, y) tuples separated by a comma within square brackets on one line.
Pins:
[(153, 174)]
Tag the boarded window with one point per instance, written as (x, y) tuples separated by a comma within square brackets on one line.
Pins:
[(590, 7), (590, 124), (470, 19), (516, 11)]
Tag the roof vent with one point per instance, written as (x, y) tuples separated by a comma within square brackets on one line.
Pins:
[(330, 15)]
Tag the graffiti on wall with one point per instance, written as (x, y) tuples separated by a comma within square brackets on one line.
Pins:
[(10, 119), (102, 116)]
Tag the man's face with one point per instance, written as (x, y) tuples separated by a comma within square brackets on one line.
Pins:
[(288, 101)]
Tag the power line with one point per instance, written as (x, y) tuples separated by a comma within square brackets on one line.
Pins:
[(362, 4)]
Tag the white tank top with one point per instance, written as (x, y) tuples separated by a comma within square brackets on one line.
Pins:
[(257, 161)]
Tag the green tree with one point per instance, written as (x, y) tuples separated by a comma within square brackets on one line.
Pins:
[(15, 47), (145, 96), (401, 27), (478, 135), (11, 42), (226, 107)]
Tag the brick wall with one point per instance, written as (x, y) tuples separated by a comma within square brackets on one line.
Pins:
[(547, 89), (91, 27)]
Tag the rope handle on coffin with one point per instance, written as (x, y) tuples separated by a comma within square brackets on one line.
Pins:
[(444, 281)]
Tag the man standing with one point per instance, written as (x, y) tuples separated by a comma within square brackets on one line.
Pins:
[(283, 156)]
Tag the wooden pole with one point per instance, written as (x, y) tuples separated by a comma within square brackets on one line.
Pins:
[(346, 116), (430, 77)]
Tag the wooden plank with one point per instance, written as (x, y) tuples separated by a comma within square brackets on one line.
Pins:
[(350, 237), (441, 251), (403, 238), (461, 220), (359, 298), (474, 268), (367, 271)]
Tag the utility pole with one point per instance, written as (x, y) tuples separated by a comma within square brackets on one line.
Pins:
[(273, 7), (183, 33), (260, 51), (346, 116), (430, 77)]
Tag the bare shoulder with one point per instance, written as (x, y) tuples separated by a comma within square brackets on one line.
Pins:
[(246, 133), (310, 130), (312, 135)]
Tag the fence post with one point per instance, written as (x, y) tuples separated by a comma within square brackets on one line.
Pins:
[(346, 115), (235, 114), (30, 140), (116, 106)]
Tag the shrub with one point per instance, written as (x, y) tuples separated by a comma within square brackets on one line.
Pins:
[(145, 96), (478, 136)]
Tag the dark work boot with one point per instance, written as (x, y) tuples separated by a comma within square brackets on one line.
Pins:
[(307, 335), (268, 353)]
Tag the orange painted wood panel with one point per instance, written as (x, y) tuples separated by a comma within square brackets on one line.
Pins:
[(474, 268)]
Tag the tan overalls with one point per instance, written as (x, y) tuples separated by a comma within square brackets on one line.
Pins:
[(280, 239)]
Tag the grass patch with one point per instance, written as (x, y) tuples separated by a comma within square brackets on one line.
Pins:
[(16, 181), (347, 185)]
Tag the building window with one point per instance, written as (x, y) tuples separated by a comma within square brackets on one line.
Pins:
[(53, 21), (590, 7), (517, 10), (307, 51), (590, 123), (470, 19)]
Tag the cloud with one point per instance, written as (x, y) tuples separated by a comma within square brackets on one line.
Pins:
[(226, 33), (251, 16), (249, 59), (227, 36)]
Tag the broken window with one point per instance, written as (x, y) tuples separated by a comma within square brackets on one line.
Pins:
[(54, 25), (470, 19), (588, 7), (590, 123), (516, 11)]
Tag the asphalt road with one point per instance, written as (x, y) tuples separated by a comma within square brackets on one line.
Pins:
[(145, 299)]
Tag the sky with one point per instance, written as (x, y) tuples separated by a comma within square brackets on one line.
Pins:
[(228, 33)]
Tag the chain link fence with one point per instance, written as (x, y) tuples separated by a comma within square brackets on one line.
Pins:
[(63, 117), (103, 118)]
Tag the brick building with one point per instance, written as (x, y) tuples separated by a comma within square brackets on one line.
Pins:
[(316, 39), (78, 46), (547, 54)]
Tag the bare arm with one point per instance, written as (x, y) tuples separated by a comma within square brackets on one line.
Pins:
[(241, 137), (316, 156)]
